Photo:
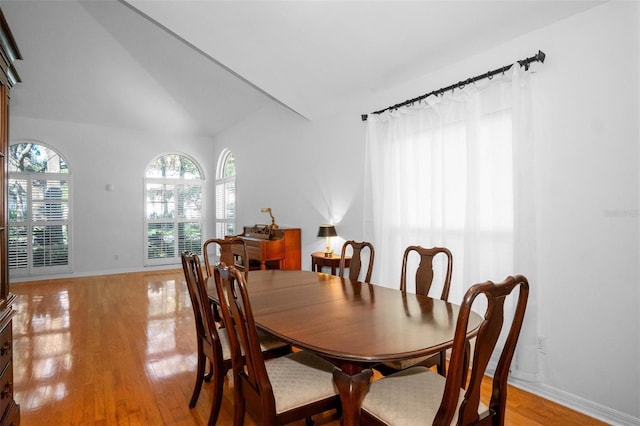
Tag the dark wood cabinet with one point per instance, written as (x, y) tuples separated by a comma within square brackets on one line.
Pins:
[(280, 249), (9, 410)]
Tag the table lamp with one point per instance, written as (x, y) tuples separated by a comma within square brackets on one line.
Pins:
[(327, 231), (273, 219)]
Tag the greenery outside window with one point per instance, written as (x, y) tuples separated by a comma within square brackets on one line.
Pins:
[(226, 195), (173, 209), (39, 211)]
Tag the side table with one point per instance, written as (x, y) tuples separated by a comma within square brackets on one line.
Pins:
[(318, 260)]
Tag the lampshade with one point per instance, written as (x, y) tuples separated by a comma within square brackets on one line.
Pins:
[(327, 231)]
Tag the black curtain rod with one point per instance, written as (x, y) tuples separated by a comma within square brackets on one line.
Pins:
[(538, 57)]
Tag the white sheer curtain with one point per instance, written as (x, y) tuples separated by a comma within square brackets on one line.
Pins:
[(456, 171)]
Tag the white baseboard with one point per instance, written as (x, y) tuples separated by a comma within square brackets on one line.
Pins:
[(577, 403), (14, 280)]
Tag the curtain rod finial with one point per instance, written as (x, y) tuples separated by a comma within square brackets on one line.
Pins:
[(540, 56), (364, 117)]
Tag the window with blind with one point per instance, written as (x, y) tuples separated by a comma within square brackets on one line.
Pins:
[(226, 195), (173, 209), (39, 211)]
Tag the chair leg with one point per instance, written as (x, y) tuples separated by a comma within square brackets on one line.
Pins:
[(209, 375), (239, 404), (465, 363), (216, 312), (199, 379), (442, 363), (218, 387)]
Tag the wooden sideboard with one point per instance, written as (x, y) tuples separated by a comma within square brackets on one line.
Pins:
[(279, 250)]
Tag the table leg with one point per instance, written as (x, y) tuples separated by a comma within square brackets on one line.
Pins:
[(351, 388)]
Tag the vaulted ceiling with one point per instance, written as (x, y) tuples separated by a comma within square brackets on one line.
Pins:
[(199, 67)]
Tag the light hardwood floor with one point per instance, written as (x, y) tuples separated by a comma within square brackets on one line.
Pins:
[(120, 350)]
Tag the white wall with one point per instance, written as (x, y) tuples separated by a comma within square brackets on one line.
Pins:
[(587, 146), (309, 173), (587, 159), (107, 223)]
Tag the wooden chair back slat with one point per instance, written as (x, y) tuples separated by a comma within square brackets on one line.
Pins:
[(424, 272), (221, 248), (486, 339), (355, 266)]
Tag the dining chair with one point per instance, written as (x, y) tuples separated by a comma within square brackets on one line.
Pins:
[(222, 249), (424, 271), (359, 251), (283, 390), (418, 395), (423, 281), (213, 342)]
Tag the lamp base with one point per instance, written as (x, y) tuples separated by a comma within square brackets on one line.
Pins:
[(328, 253)]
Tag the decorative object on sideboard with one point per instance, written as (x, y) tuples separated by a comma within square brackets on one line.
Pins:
[(273, 219), (327, 231)]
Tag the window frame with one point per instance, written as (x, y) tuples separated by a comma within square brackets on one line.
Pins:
[(223, 183), (177, 219), (30, 269)]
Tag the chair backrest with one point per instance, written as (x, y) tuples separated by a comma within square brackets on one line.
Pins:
[(236, 310), (486, 340), (205, 324), (424, 271), (355, 265), (222, 249)]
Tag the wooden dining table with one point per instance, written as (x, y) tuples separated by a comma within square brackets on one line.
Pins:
[(353, 325)]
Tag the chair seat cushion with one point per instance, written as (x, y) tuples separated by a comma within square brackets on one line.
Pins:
[(409, 397), (267, 342), (224, 342), (299, 378), (406, 363)]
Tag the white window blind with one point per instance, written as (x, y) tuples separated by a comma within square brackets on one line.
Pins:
[(173, 209), (39, 211), (226, 195)]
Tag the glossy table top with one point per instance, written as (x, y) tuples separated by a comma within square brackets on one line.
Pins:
[(350, 321)]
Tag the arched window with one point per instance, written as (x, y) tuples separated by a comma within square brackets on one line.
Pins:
[(173, 209), (226, 195), (39, 211)]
